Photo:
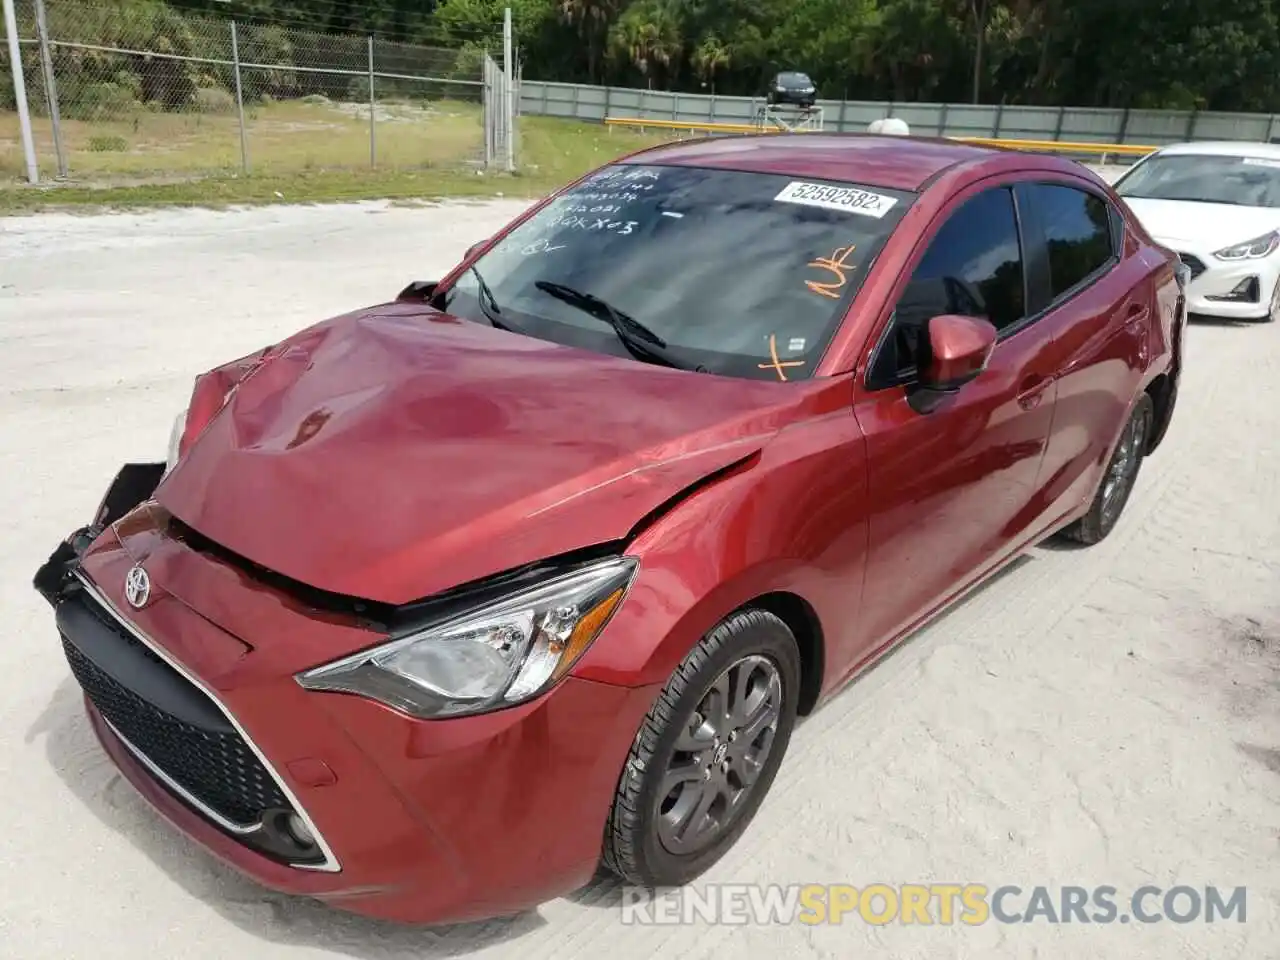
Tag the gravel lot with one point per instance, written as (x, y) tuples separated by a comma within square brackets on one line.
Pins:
[(1093, 717)]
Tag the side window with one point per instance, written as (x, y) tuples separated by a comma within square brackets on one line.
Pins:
[(973, 266), (1117, 230), (1078, 229)]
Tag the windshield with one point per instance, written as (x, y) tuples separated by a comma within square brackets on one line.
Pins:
[(739, 274), (1205, 178)]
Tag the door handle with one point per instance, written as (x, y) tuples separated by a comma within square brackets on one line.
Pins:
[(1031, 391), (1136, 311)]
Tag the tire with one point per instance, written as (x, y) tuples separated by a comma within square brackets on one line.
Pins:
[(1126, 461), (643, 844), (1273, 311)]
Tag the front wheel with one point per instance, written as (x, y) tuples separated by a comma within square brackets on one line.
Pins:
[(1119, 478), (706, 754), (1273, 310)]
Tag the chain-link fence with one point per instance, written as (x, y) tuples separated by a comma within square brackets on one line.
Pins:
[(120, 93)]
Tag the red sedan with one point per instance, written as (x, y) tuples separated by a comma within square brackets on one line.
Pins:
[(437, 606)]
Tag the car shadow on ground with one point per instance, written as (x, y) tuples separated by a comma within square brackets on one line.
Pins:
[(77, 758), (1060, 544), (1201, 320)]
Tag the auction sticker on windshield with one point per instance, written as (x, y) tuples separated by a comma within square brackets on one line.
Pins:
[(848, 199)]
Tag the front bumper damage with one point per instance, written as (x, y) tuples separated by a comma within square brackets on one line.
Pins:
[(434, 822), (144, 701), (133, 484)]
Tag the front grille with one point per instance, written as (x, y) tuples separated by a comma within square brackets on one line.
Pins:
[(1195, 264), (217, 768)]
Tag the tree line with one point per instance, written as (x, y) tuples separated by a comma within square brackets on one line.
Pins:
[(1171, 54), (1183, 54)]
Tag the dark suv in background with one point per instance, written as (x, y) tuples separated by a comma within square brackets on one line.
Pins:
[(792, 89)]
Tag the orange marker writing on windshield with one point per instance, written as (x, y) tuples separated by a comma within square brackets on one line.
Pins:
[(775, 363), (836, 264)]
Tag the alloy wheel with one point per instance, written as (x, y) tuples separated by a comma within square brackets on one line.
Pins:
[(1123, 469), (719, 755)]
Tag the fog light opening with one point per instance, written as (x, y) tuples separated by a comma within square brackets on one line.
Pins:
[(298, 831), (1246, 291), (287, 833)]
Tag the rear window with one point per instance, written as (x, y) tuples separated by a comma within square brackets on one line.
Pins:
[(1079, 231), (739, 274)]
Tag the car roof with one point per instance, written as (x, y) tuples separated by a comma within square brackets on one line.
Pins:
[(1224, 148), (895, 163)]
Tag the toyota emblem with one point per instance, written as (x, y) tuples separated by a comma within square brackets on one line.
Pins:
[(137, 587)]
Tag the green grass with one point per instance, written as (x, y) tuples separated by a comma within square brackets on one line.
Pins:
[(299, 153)]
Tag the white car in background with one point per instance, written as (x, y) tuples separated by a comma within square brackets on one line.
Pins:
[(1218, 206)]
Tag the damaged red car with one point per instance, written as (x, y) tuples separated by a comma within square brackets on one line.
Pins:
[(436, 607)]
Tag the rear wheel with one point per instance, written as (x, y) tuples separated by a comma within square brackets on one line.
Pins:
[(1118, 480), (706, 754)]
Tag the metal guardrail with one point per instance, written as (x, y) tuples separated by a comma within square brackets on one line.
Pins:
[(1104, 150), (691, 126), (1065, 146)]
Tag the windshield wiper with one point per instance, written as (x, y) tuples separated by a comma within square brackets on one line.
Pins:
[(1149, 196), (488, 302), (643, 343)]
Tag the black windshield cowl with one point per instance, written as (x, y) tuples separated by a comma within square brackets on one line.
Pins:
[(643, 343), (1189, 199)]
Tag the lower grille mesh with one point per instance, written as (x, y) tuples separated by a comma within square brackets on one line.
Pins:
[(218, 769)]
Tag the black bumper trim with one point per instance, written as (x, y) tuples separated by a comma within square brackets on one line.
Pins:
[(134, 483), (133, 667)]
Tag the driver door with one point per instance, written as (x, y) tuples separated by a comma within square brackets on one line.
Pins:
[(953, 490)]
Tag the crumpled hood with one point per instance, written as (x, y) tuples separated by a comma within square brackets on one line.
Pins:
[(1209, 226), (397, 452)]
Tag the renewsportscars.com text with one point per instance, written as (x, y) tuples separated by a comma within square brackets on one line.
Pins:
[(941, 904)]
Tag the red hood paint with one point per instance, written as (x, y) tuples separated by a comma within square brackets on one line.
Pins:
[(396, 452)]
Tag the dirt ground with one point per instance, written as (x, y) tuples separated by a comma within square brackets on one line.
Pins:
[(1109, 716)]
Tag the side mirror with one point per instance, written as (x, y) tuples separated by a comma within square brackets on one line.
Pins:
[(420, 290), (959, 350)]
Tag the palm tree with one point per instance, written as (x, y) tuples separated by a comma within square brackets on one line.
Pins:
[(710, 56), (592, 19), (648, 35)]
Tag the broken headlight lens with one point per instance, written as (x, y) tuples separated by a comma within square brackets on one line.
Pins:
[(175, 441)]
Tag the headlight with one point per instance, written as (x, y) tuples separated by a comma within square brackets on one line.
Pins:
[(1254, 249), (495, 656), (209, 394), (175, 441)]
